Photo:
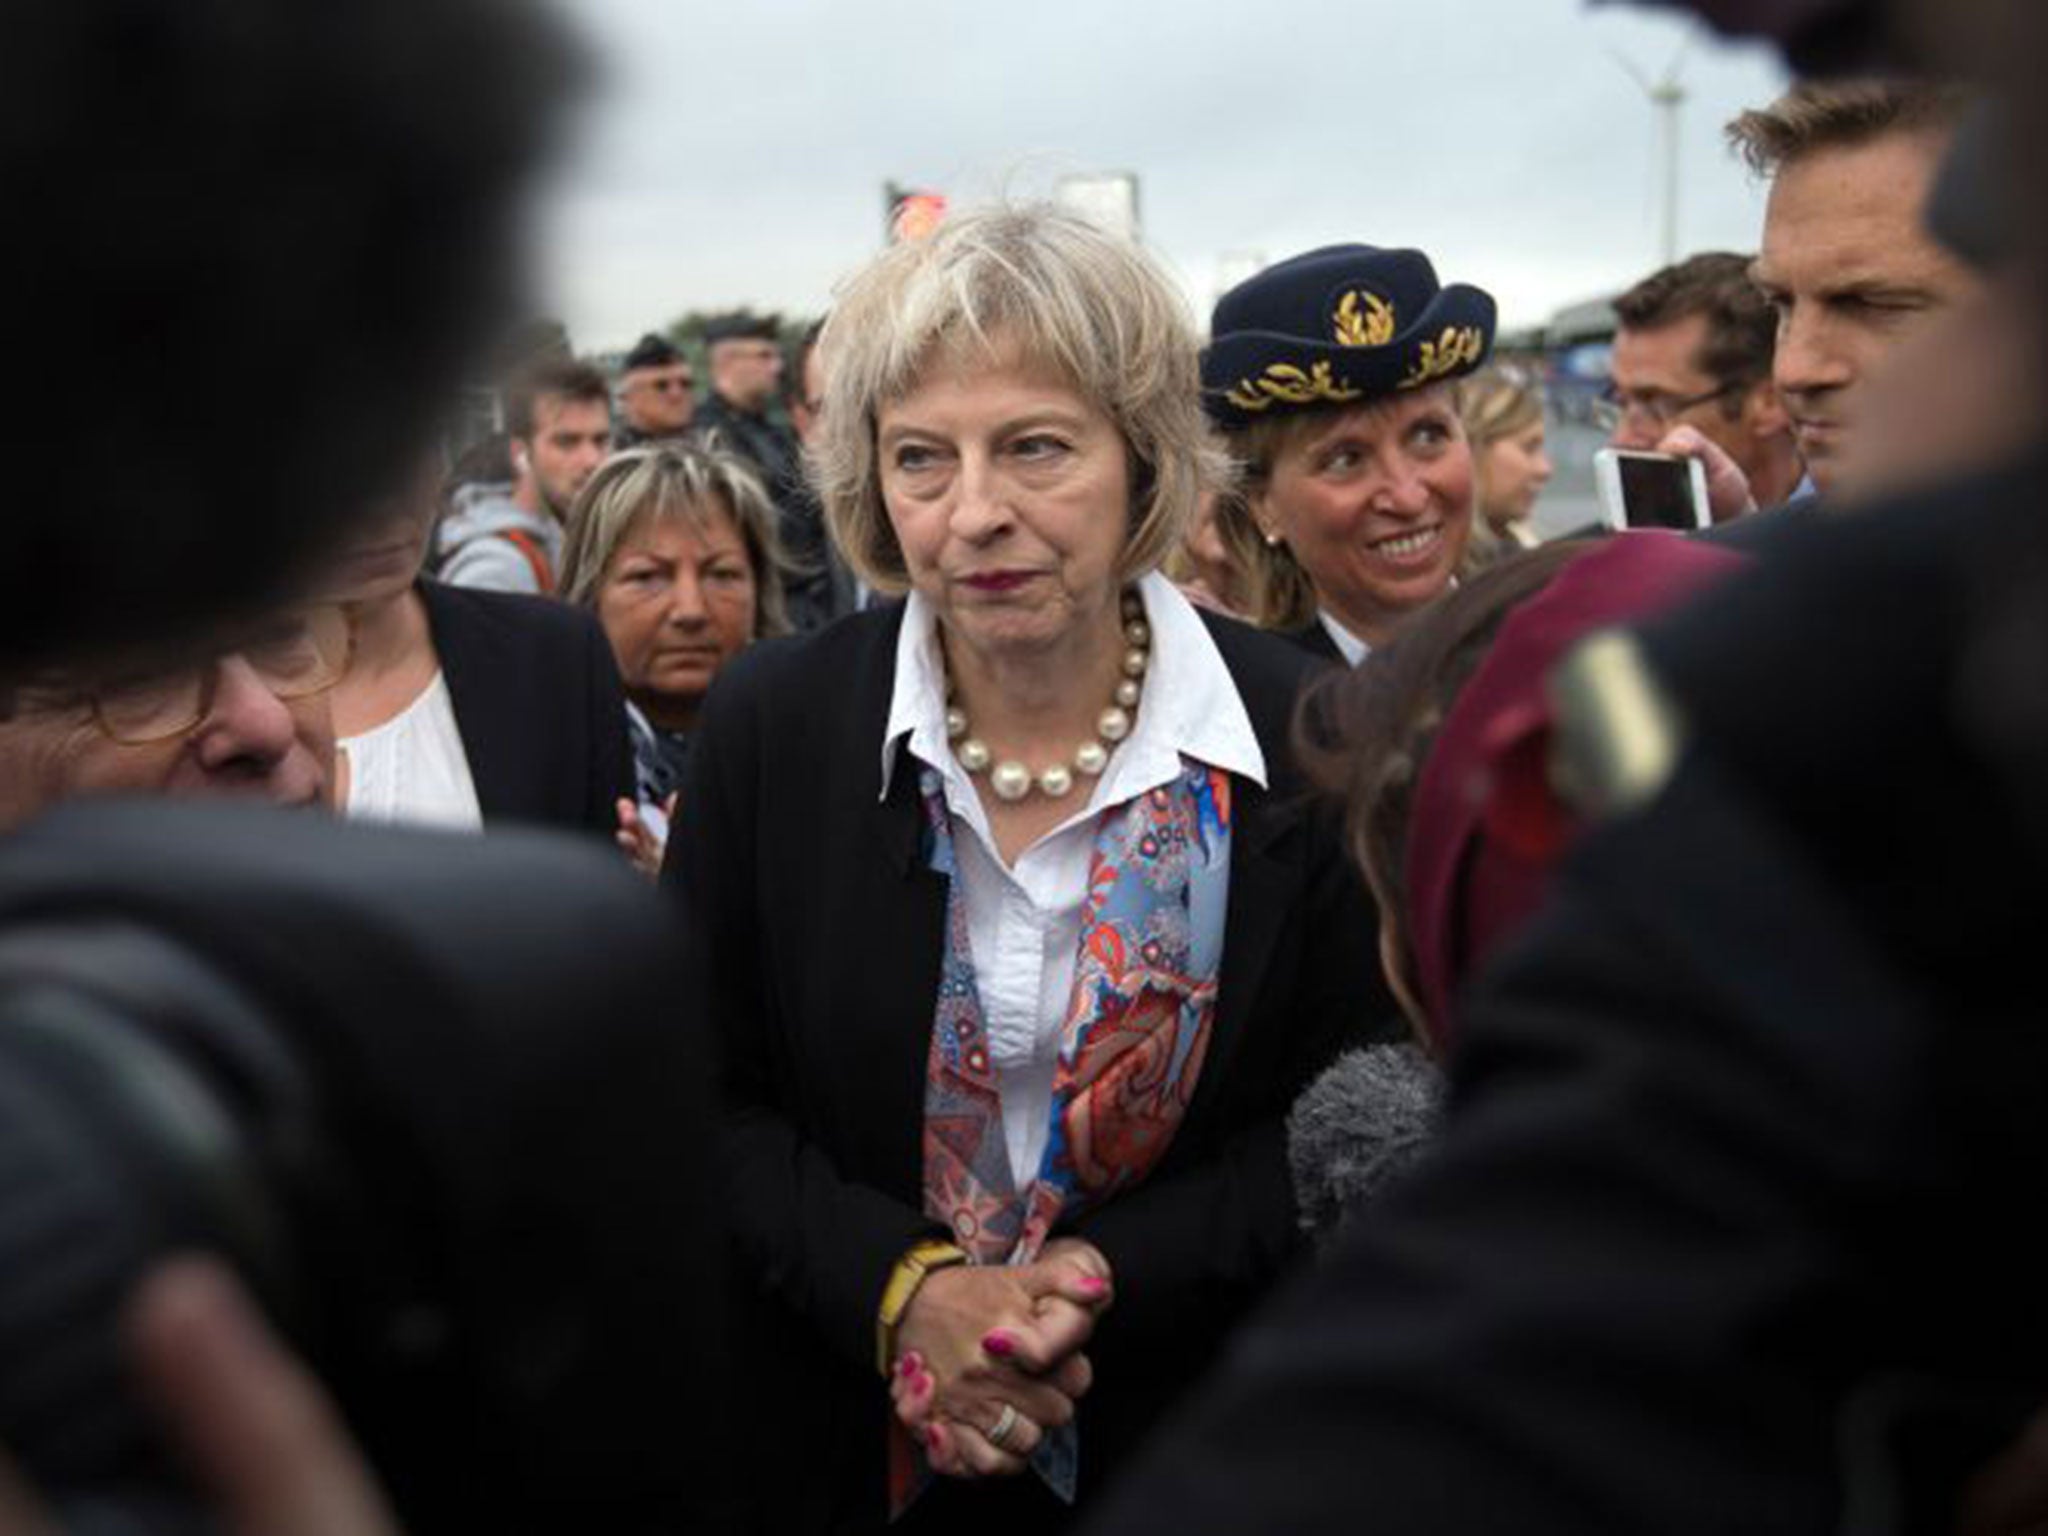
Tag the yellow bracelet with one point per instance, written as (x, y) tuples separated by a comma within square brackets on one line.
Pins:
[(904, 1280)]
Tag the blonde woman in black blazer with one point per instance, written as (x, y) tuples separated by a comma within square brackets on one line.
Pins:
[(1014, 984)]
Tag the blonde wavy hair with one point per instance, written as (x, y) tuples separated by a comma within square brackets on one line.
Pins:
[(1496, 403), (1007, 284), (691, 483)]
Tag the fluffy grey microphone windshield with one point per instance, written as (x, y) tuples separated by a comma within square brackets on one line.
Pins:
[(1355, 1128)]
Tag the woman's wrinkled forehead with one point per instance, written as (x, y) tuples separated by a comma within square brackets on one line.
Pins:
[(964, 352)]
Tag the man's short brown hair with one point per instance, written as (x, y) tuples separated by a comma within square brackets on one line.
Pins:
[(1742, 329), (562, 377), (1843, 114)]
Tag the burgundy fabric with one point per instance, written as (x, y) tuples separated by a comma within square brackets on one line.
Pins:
[(1486, 828)]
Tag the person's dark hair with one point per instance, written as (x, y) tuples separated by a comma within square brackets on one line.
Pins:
[(487, 461), (652, 350), (800, 354), (1742, 328), (563, 377), (1363, 734), (269, 240), (742, 325), (1844, 114)]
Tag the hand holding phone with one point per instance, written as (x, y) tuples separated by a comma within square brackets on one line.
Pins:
[(1650, 490)]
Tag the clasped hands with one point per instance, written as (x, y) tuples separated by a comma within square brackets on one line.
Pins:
[(989, 1357)]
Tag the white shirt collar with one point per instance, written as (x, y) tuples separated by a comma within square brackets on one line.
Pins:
[(1190, 706), (1349, 645)]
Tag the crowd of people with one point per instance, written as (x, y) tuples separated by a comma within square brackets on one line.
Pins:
[(1068, 738)]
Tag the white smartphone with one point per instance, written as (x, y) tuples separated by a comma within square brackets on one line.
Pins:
[(1650, 490)]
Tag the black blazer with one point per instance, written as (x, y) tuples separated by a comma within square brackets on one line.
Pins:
[(1314, 638), (815, 934), (537, 700)]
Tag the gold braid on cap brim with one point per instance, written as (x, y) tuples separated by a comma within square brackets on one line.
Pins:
[(1458, 347), (1285, 383)]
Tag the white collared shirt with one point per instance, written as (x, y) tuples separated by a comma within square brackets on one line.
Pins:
[(1024, 921), (1348, 645)]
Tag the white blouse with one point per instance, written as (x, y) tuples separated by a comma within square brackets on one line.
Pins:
[(412, 768), (1024, 921)]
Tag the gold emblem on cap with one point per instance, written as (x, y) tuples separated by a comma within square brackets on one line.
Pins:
[(1285, 383), (1363, 320), (1457, 347)]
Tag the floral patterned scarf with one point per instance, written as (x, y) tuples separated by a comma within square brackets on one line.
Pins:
[(1131, 1047)]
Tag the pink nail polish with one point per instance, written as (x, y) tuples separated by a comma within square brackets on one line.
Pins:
[(934, 1439), (999, 1344), (1093, 1285)]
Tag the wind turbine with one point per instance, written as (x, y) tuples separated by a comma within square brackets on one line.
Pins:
[(1665, 96)]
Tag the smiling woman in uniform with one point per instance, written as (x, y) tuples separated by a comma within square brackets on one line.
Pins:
[(1330, 376)]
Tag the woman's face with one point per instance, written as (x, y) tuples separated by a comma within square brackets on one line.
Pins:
[(1376, 504), (1010, 496), (1515, 470), (678, 601)]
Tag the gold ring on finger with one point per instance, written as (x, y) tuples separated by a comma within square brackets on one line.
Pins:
[(1005, 1426)]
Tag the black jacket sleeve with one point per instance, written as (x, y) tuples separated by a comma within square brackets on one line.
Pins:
[(610, 763), (821, 1244)]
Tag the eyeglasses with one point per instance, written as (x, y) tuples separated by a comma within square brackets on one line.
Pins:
[(1616, 406), (294, 656)]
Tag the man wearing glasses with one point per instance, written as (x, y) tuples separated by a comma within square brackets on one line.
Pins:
[(1694, 348), (249, 717), (657, 393)]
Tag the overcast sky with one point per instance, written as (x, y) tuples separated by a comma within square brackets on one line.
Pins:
[(736, 152)]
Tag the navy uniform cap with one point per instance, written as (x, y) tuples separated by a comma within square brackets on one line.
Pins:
[(742, 327), (1346, 324)]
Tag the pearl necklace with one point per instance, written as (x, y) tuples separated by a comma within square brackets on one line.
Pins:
[(1012, 780)]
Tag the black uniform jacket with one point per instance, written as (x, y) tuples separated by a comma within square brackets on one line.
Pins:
[(537, 700), (815, 931)]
